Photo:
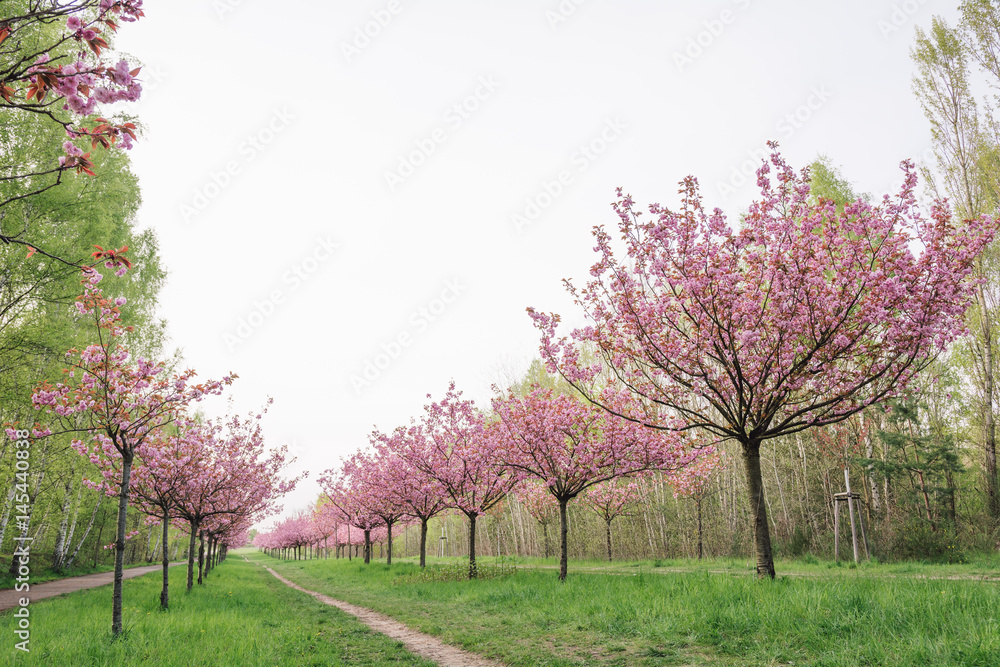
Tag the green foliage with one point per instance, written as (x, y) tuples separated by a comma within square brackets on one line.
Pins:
[(828, 183), (923, 460), (916, 540)]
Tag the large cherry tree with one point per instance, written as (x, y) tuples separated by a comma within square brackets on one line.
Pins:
[(802, 315)]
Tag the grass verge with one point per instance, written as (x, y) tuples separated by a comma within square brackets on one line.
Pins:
[(681, 618), (241, 616)]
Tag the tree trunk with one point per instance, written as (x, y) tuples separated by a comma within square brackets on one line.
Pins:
[(607, 532), (989, 423), (165, 594), (755, 486), (368, 547), (194, 536), (7, 507), (388, 546), (563, 540), (545, 537), (473, 573), (201, 555), (116, 604), (423, 542), (59, 554), (86, 532), (697, 502)]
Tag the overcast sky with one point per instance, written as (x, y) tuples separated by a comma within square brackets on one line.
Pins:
[(356, 201)]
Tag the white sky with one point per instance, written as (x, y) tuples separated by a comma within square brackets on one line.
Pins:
[(269, 131)]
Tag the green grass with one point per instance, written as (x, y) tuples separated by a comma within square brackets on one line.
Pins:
[(241, 616), (869, 615)]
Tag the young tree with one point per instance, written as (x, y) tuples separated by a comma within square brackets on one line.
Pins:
[(694, 482), (237, 477), (374, 480), (801, 317), (540, 504), (168, 461), (570, 445), (121, 404), (461, 457), (422, 496), (611, 500)]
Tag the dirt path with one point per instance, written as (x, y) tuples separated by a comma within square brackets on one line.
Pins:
[(416, 642), (9, 598), (668, 570)]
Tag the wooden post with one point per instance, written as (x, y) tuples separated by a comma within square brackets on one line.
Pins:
[(836, 529), (850, 510)]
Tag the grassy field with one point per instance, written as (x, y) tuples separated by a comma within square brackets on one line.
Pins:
[(649, 613), (826, 615), (241, 617)]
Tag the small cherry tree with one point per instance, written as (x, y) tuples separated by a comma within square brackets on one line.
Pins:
[(422, 496), (121, 404), (611, 500), (463, 459), (571, 445), (695, 482)]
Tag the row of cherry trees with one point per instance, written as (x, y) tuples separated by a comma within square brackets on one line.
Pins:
[(212, 479), (543, 445)]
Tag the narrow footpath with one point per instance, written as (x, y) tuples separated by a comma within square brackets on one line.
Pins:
[(423, 645), (9, 597)]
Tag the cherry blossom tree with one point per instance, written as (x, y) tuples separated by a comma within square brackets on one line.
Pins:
[(238, 476), (119, 403), (167, 461), (460, 456), (801, 317), (422, 496), (694, 482), (535, 497), (571, 445), (354, 508), (611, 500), (374, 477)]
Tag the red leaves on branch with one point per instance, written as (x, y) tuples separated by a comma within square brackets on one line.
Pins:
[(114, 256)]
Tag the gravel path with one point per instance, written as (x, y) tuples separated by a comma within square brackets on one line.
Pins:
[(9, 598), (416, 642)]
